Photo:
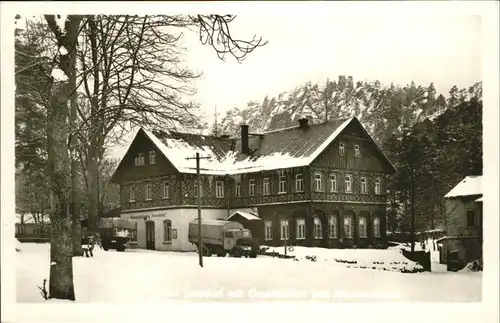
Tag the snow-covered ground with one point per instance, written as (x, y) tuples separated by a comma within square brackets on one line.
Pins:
[(391, 259), (149, 276)]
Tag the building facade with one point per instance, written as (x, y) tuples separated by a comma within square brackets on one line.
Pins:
[(464, 221), (318, 185)]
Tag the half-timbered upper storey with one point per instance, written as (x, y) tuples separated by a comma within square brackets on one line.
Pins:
[(332, 161)]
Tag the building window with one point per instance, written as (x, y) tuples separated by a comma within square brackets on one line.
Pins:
[(237, 187), (470, 218), (132, 194), (282, 181), (134, 233), (376, 227), (139, 160), (251, 187), (266, 186), (167, 231), (152, 157), (318, 182), (317, 229), (348, 226), (285, 230), (299, 183), (364, 188), (377, 186), (301, 229), (219, 189), (332, 221), (341, 149), (357, 153), (165, 191), (362, 228), (149, 192), (269, 230), (348, 183), (333, 182), (196, 188)]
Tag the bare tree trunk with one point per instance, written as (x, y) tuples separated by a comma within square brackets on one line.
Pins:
[(75, 209), (58, 135), (61, 250), (93, 150)]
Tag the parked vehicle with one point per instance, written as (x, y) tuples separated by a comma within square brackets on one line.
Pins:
[(222, 237), (117, 233)]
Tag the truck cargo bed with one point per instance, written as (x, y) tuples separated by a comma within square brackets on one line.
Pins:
[(212, 231)]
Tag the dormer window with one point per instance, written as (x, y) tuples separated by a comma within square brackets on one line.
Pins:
[(357, 153), (341, 149), (152, 157), (139, 160)]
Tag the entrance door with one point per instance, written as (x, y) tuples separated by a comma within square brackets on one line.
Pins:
[(150, 235)]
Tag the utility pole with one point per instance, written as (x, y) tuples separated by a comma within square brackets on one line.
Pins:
[(200, 247)]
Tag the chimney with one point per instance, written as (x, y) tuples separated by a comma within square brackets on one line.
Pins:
[(244, 139), (303, 123)]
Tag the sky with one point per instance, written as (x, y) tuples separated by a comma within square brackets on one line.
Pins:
[(389, 42), (445, 50)]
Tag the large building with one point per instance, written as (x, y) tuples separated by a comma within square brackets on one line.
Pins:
[(312, 184)]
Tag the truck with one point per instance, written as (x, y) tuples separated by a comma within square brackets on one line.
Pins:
[(222, 237), (117, 233)]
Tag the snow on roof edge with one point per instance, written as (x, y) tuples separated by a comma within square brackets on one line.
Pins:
[(161, 146), (246, 215), (470, 185)]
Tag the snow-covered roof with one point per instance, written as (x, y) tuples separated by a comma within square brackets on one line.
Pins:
[(280, 149), (470, 185), (246, 215)]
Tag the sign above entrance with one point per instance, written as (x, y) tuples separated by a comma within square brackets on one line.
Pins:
[(147, 217)]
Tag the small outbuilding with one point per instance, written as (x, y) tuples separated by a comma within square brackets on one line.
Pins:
[(464, 222), (250, 221)]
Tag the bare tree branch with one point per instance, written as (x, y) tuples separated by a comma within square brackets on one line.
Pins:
[(214, 31)]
